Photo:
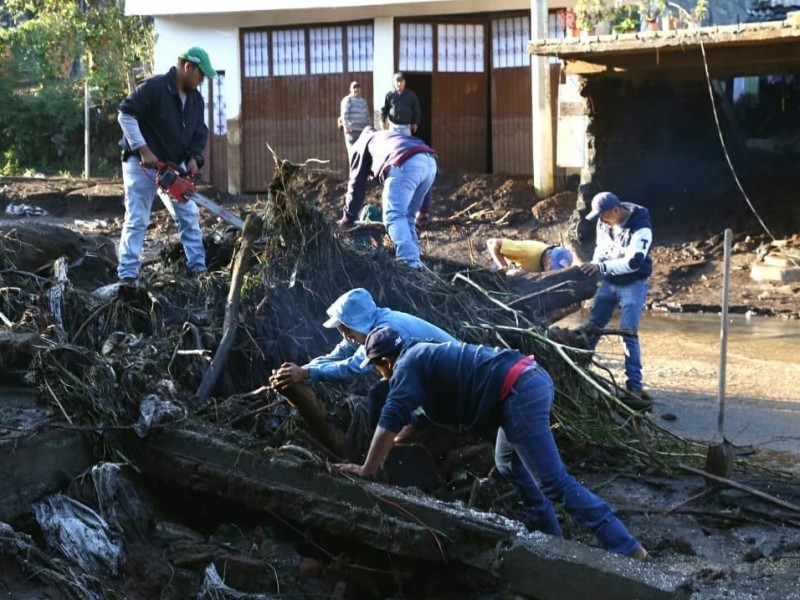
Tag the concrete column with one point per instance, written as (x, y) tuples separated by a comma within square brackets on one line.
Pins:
[(543, 151), (382, 64)]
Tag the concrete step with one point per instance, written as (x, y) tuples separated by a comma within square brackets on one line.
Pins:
[(761, 271)]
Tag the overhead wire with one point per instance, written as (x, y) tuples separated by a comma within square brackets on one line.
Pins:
[(719, 128)]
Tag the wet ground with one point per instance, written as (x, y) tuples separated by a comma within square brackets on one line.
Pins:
[(745, 552)]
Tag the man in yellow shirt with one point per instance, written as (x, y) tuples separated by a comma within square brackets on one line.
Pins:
[(528, 255)]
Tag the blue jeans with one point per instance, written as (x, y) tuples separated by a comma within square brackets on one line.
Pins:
[(631, 298), (140, 190), (525, 432), (404, 190)]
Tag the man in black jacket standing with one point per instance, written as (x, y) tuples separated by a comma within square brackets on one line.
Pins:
[(163, 120), (401, 110)]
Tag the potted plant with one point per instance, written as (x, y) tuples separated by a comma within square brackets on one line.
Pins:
[(650, 10), (590, 13), (626, 18)]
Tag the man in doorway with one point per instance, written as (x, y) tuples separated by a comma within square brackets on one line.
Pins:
[(406, 167), (531, 256), (401, 110), (163, 121), (474, 389), (622, 259), (353, 115)]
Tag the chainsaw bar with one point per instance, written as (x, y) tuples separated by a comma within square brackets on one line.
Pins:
[(215, 208)]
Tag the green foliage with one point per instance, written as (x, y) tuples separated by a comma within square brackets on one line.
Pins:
[(53, 48), (41, 129), (626, 18), (589, 13), (55, 39), (651, 9)]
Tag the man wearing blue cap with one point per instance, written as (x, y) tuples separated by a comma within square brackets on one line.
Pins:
[(163, 120), (622, 259), (528, 255), (476, 389)]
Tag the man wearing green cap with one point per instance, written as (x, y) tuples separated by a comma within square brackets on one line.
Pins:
[(163, 120)]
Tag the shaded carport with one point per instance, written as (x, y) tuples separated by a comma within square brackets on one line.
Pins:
[(731, 50), (630, 80)]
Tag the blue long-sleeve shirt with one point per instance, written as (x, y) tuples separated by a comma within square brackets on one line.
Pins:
[(455, 385), (344, 361)]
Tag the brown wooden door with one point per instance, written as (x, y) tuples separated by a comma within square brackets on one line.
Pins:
[(459, 110), (293, 110)]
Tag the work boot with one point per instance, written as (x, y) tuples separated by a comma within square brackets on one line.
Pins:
[(640, 553), (637, 400)]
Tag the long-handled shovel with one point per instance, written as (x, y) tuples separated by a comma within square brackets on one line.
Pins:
[(719, 459)]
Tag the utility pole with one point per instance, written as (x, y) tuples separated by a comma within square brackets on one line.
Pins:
[(542, 122)]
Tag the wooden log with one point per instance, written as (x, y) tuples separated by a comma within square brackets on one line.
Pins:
[(554, 292), (315, 415), (253, 227), (740, 486)]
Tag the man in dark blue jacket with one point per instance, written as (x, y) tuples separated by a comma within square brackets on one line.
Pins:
[(406, 167), (163, 120), (622, 259), (476, 389)]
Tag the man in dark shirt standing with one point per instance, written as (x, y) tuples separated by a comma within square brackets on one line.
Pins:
[(401, 111), (163, 121)]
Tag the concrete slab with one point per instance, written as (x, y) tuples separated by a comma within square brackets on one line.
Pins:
[(546, 568), (765, 272)]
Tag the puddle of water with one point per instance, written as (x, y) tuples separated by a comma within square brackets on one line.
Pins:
[(681, 358)]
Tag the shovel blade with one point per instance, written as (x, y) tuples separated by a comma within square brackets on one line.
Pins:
[(719, 460)]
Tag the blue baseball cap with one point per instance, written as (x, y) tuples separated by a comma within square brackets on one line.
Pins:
[(381, 341), (560, 258), (601, 203)]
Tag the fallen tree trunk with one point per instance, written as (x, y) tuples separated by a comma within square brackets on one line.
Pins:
[(540, 297), (315, 415)]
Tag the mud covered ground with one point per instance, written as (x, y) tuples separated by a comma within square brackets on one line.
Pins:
[(749, 550)]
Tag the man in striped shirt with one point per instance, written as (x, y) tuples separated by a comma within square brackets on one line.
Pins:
[(353, 115)]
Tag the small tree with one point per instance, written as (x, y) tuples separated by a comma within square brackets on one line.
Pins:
[(53, 48)]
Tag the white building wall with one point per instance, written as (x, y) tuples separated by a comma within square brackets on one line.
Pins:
[(173, 37), (382, 63), (365, 7)]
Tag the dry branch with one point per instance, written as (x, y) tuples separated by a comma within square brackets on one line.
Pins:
[(253, 227)]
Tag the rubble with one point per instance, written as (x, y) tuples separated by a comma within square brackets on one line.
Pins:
[(124, 378)]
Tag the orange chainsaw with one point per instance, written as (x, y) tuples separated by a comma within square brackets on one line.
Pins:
[(179, 186)]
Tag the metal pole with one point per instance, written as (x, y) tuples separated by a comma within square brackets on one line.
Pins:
[(86, 128), (723, 347)]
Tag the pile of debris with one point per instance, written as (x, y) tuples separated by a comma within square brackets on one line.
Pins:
[(166, 381)]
